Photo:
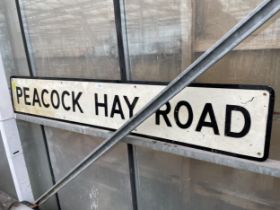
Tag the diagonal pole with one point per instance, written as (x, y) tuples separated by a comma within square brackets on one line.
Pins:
[(237, 34)]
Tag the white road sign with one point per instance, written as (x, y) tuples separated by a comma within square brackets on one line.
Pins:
[(231, 119)]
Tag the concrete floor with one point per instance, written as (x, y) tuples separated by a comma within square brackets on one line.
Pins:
[(6, 201)]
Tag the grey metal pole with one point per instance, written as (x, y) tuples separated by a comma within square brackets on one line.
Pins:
[(230, 40)]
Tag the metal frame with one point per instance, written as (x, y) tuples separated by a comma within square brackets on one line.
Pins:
[(12, 143), (125, 71), (32, 73), (237, 34), (269, 167)]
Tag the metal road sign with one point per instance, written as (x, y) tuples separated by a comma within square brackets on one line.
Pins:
[(231, 119)]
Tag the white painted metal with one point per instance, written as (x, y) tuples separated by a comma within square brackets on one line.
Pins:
[(11, 141)]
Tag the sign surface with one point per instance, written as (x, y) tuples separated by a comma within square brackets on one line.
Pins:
[(230, 119)]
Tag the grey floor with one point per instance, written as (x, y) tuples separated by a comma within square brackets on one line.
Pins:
[(5, 201)]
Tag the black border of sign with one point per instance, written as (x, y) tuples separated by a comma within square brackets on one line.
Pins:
[(229, 86)]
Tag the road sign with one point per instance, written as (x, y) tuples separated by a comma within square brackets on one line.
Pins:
[(231, 119)]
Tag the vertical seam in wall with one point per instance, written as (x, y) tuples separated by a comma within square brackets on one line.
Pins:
[(125, 77), (132, 172), (50, 163), (24, 40), (118, 22)]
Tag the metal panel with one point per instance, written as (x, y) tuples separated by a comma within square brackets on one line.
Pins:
[(5, 47), (71, 38), (171, 182), (78, 39), (104, 185), (159, 35), (167, 181), (164, 180), (11, 42), (269, 167), (36, 160), (15, 64), (161, 190), (218, 187)]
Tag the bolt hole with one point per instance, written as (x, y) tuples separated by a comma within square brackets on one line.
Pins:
[(15, 152)]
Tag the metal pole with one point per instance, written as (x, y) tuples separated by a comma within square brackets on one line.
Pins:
[(11, 141), (230, 40)]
